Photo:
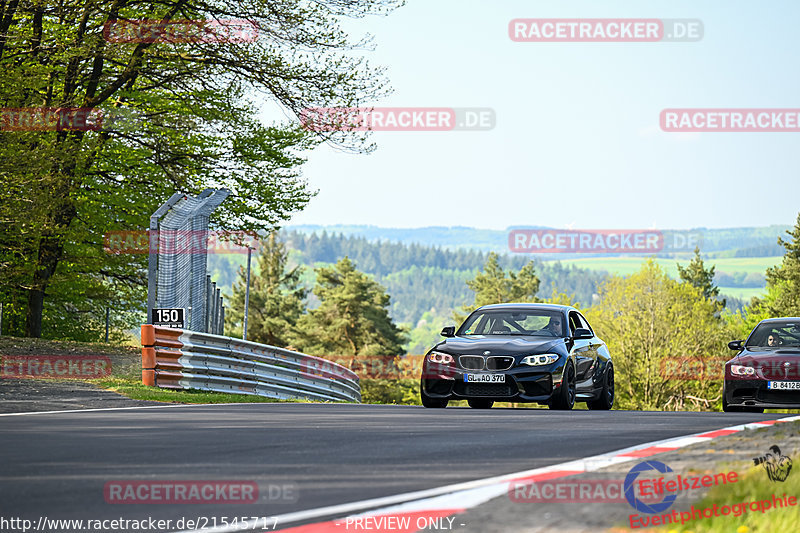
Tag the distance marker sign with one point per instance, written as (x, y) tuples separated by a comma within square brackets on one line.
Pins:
[(169, 318)]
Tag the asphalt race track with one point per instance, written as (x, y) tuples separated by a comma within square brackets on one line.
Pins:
[(56, 465)]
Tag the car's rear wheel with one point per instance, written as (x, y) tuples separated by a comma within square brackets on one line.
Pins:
[(431, 403), (606, 399), (564, 400), (480, 403)]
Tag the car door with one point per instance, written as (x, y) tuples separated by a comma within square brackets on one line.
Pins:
[(585, 351), (581, 349), (595, 347)]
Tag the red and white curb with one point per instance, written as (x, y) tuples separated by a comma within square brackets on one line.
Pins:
[(412, 511)]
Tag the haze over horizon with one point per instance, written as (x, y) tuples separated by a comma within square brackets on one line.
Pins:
[(577, 124), (292, 225)]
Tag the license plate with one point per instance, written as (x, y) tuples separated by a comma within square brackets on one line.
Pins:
[(484, 378), (783, 385)]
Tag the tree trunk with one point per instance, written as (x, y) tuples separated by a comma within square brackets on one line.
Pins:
[(33, 316), (51, 248)]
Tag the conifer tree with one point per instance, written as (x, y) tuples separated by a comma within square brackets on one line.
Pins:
[(352, 318), (277, 297)]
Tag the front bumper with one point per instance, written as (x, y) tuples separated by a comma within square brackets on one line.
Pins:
[(754, 393), (522, 384)]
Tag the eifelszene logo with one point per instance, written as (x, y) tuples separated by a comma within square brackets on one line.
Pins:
[(639, 504), (777, 465)]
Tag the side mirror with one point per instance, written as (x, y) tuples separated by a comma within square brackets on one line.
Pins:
[(736, 345), (449, 331), (582, 333)]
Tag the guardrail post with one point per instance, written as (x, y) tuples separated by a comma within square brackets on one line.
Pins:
[(148, 355), (219, 315), (207, 317)]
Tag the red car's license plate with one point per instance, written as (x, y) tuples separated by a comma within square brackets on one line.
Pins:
[(783, 385)]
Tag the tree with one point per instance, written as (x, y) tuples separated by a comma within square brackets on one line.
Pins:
[(277, 297), (494, 285), (562, 298), (352, 318), (696, 275), (783, 281), (664, 337), (177, 116)]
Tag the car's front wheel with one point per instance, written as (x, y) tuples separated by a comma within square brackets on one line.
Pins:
[(480, 403), (606, 399), (565, 398), (427, 401), (738, 408), (725, 407)]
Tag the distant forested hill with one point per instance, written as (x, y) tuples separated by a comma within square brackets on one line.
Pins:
[(425, 270), (423, 278), (723, 242)]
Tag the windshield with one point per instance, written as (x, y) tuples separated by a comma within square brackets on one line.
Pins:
[(776, 335), (533, 322)]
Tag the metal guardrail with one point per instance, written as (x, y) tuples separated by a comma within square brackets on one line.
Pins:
[(179, 359)]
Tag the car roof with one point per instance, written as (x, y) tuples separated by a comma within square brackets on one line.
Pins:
[(530, 306), (780, 319)]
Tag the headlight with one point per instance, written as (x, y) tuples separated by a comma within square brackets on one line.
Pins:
[(441, 358), (539, 360), (741, 370)]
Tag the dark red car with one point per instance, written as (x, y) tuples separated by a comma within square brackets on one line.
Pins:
[(766, 371)]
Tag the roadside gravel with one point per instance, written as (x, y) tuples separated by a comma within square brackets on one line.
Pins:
[(25, 395), (733, 452)]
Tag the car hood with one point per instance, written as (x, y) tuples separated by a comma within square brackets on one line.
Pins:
[(781, 363), (497, 345)]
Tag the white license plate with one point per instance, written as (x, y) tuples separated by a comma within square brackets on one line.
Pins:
[(783, 385), (484, 378)]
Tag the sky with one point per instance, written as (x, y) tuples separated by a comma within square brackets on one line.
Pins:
[(577, 142)]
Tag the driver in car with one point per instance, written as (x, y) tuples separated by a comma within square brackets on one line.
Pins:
[(774, 340), (553, 326)]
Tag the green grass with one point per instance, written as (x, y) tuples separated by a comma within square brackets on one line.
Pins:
[(134, 389), (629, 265)]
